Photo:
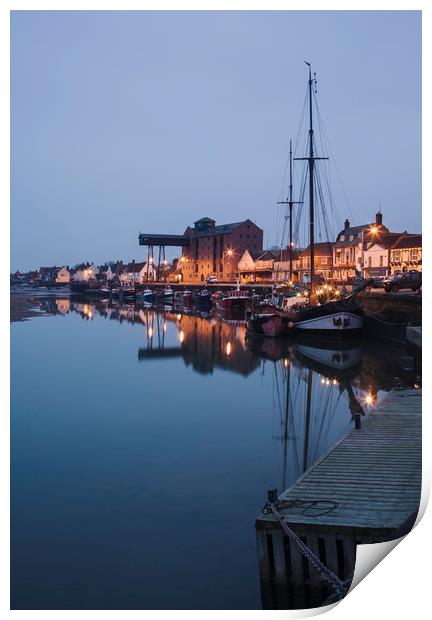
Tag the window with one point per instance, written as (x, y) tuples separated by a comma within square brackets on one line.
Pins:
[(414, 254), (369, 261), (381, 261), (396, 256), (342, 238), (351, 237)]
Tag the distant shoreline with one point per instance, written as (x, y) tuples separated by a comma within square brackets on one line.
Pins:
[(22, 307)]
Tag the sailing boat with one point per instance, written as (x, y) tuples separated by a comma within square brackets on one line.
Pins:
[(316, 313)]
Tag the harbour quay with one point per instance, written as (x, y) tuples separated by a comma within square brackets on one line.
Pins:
[(366, 489)]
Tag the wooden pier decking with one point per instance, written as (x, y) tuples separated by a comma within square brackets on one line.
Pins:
[(365, 488)]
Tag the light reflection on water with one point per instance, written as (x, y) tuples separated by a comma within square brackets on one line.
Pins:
[(143, 444)]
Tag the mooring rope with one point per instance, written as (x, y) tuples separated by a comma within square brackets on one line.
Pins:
[(338, 586)]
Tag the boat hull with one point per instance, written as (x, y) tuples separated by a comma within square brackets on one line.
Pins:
[(270, 325), (338, 322), (334, 317)]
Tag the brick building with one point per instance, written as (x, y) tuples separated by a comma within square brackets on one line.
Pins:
[(406, 253), (217, 250), (323, 262)]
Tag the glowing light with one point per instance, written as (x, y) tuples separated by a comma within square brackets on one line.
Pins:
[(374, 230), (322, 380), (181, 336), (164, 327), (230, 252), (178, 317), (90, 314), (335, 382), (416, 386), (369, 399), (286, 363), (150, 332), (298, 295), (150, 259), (228, 349)]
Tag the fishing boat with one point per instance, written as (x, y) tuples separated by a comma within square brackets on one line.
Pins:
[(147, 295), (234, 302), (128, 292), (178, 298), (187, 296), (202, 299), (330, 313), (165, 295)]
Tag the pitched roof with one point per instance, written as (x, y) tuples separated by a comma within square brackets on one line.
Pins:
[(408, 241), (265, 255), (254, 254), (355, 231), (324, 248), (284, 255), (132, 267), (386, 240)]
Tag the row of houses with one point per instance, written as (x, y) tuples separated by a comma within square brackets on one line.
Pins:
[(125, 273), (369, 250)]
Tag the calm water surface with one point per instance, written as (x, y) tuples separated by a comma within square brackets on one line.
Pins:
[(143, 445)]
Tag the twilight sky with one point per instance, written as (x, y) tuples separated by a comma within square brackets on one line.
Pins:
[(129, 122)]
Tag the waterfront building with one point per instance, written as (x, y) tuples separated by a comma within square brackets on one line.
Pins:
[(62, 276), (49, 276), (114, 270), (406, 253), (86, 272), (281, 267), (215, 250), (351, 242), (256, 266), (323, 262), (137, 273), (376, 257)]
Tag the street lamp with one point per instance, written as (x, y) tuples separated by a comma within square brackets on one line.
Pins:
[(373, 230)]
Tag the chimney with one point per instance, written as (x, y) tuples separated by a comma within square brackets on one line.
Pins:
[(347, 224), (378, 218)]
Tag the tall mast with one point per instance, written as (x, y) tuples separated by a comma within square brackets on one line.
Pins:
[(290, 204), (311, 161)]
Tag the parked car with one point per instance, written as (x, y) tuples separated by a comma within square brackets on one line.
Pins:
[(377, 282), (211, 280), (411, 280)]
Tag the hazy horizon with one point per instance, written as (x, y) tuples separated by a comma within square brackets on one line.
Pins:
[(125, 122)]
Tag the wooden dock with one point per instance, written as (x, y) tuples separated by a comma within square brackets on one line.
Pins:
[(365, 488)]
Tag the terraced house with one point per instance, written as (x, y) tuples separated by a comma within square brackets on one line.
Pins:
[(351, 242), (406, 253)]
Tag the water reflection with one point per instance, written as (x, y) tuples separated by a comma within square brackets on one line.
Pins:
[(276, 409)]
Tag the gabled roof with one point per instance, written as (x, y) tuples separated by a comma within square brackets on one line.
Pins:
[(132, 267), (284, 255), (265, 255), (324, 248), (254, 254), (386, 240), (356, 232), (220, 229), (408, 241)]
